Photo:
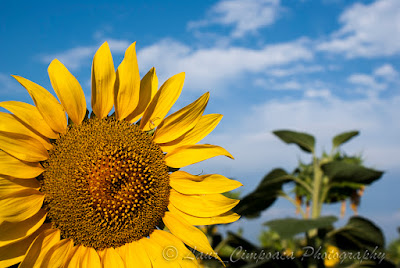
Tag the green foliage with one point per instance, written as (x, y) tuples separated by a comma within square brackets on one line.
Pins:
[(358, 234), (340, 171), (343, 137), (264, 195), (337, 176), (305, 141), (305, 173), (393, 251), (271, 239), (289, 227), (330, 177)]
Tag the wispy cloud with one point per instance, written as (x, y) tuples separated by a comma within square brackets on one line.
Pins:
[(386, 71), (368, 81), (218, 67), (254, 146), (295, 70), (379, 79), (72, 58), (245, 16), (318, 93), (80, 56), (369, 30), (273, 84)]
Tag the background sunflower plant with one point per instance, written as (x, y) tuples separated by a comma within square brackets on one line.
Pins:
[(332, 177)]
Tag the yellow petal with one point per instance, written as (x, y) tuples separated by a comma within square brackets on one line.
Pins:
[(134, 255), (148, 88), (181, 121), (10, 185), (90, 258), (204, 126), (103, 79), (74, 257), (127, 84), (110, 258), (22, 147), (190, 154), (21, 205), (30, 115), (11, 232), (156, 254), (36, 252), (207, 205), (56, 255), (189, 234), (48, 106), (226, 217), (68, 90), (162, 102), (184, 183), (11, 166), (13, 253), (174, 249), (10, 123)]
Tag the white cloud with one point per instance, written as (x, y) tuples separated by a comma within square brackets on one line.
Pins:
[(386, 71), (206, 68), (72, 58), (270, 84), (367, 81), (369, 30), (76, 57), (218, 67), (256, 150), (117, 46), (291, 85), (310, 89), (297, 69), (246, 16), (318, 93), (380, 79)]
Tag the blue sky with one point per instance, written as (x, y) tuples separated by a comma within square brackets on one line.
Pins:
[(323, 67)]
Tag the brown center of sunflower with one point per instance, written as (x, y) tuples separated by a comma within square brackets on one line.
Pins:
[(105, 184)]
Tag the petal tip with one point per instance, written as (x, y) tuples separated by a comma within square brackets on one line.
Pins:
[(16, 77), (229, 155)]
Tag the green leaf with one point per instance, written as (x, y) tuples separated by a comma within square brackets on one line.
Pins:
[(358, 234), (288, 227), (340, 171), (343, 137), (264, 195), (305, 141)]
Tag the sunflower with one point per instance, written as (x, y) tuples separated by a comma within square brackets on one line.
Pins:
[(106, 191)]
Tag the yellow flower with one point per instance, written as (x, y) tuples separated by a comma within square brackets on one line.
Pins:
[(332, 256), (99, 191)]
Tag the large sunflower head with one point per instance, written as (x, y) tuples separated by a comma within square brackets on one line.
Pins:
[(100, 190)]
